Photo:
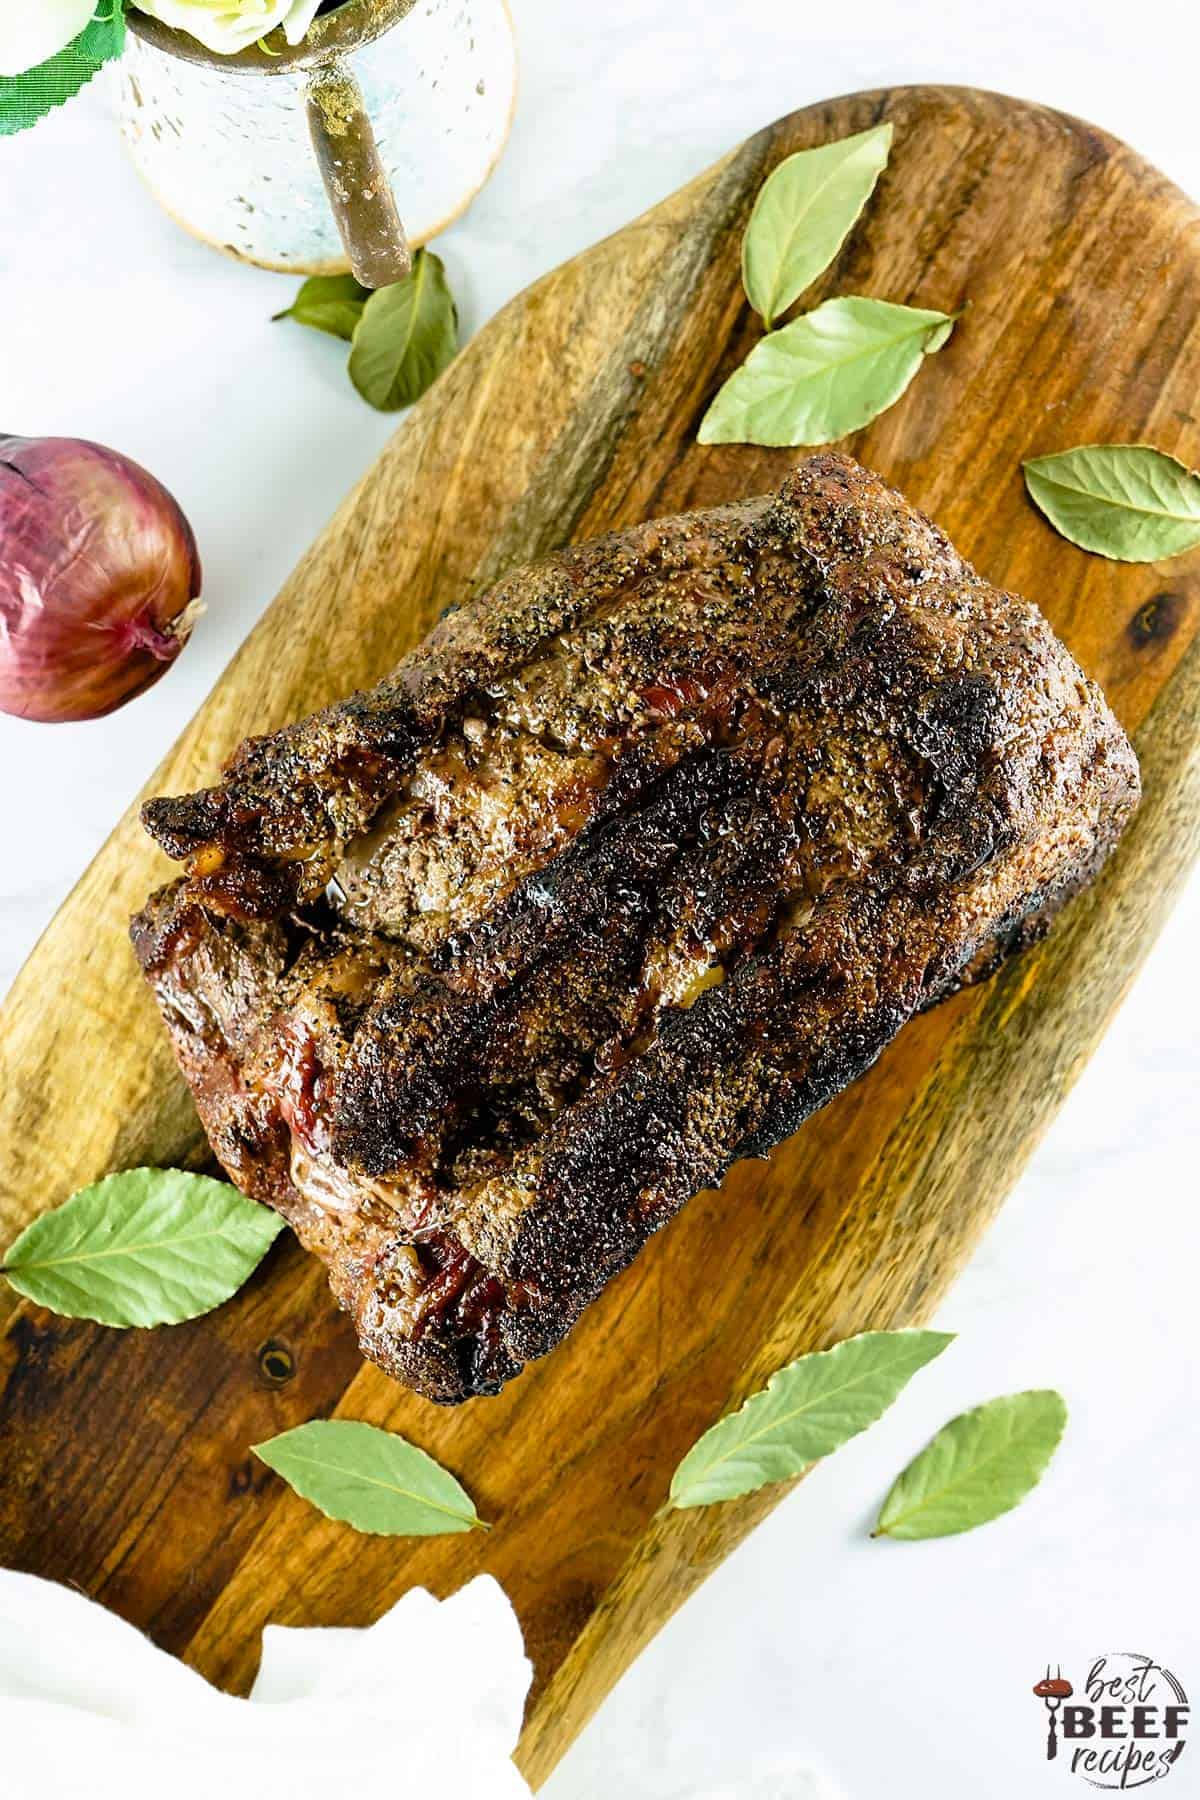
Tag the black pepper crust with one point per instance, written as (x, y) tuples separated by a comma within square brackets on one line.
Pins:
[(637, 861)]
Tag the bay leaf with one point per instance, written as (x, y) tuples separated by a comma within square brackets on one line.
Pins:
[(980, 1465), (805, 1411), (1129, 502), (803, 215), (826, 374), (407, 335), (370, 1479), (146, 1247), (330, 303)]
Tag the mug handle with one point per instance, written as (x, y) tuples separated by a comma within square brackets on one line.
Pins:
[(356, 182)]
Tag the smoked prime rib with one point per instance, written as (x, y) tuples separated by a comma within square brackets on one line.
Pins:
[(635, 862)]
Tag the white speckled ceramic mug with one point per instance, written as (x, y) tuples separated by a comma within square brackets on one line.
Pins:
[(406, 103)]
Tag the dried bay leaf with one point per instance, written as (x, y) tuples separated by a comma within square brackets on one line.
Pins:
[(980, 1465), (147, 1247), (803, 215), (407, 335), (370, 1479), (1129, 502), (329, 303), (805, 1411), (827, 374)]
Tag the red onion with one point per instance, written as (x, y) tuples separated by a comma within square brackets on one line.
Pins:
[(99, 578)]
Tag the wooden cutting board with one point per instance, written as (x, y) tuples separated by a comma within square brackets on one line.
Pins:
[(126, 1462)]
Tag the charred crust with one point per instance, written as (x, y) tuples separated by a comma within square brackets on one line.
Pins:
[(629, 868)]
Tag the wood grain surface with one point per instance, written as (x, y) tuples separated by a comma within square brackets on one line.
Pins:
[(125, 1456)]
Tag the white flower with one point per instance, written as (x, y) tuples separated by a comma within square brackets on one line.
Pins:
[(227, 26), (31, 31)]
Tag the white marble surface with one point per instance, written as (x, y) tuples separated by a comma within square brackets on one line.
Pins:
[(904, 1669)]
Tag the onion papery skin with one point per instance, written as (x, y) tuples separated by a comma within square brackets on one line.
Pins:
[(99, 579)]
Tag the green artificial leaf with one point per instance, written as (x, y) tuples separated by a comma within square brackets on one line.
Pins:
[(24, 99), (824, 375), (1125, 501), (804, 214), (978, 1466), (149, 1247), (332, 303), (370, 1479), (806, 1410), (407, 335)]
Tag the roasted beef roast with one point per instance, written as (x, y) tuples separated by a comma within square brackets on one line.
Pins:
[(636, 861)]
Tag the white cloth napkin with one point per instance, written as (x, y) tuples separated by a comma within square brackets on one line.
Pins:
[(427, 1702)]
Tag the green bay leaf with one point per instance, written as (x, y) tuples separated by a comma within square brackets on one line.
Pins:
[(803, 215), (826, 374), (331, 303), (980, 1465), (1129, 502), (370, 1479), (805, 1411), (143, 1248), (407, 335)]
